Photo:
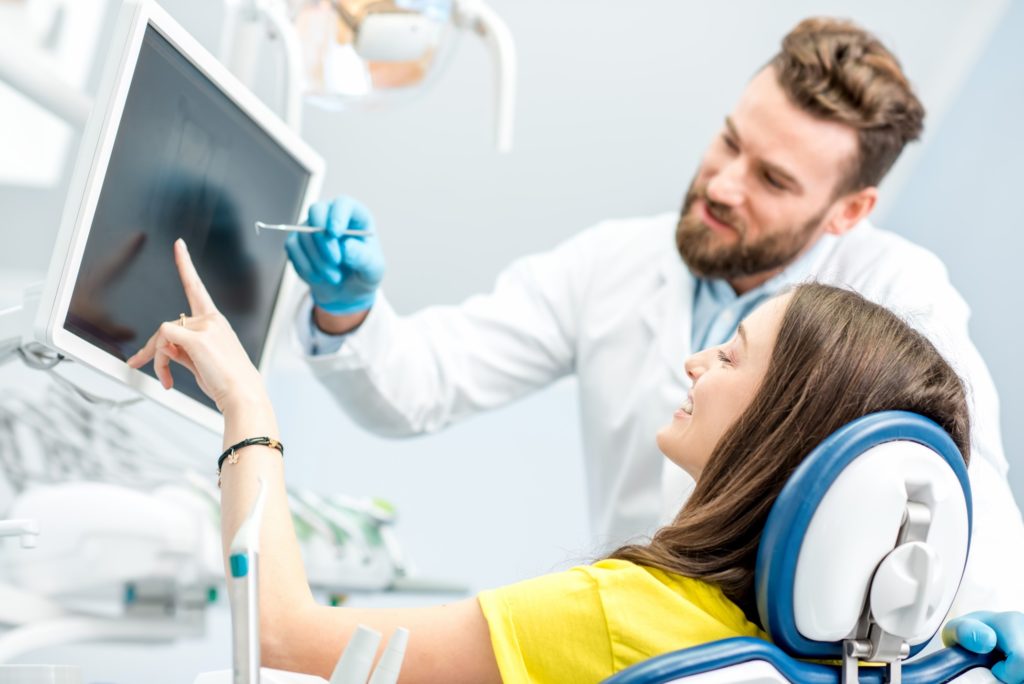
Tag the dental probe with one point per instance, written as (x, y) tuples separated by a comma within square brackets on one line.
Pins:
[(293, 228), (243, 558)]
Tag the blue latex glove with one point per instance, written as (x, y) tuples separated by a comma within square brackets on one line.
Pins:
[(343, 271), (982, 631)]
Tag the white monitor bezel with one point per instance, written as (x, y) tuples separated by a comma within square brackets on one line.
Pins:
[(87, 181)]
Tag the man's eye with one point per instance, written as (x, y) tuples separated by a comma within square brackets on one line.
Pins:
[(770, 180)]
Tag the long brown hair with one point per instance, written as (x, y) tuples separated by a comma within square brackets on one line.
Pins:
[(837, 357)]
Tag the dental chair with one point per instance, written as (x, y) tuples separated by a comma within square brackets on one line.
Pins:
[(859, 561)]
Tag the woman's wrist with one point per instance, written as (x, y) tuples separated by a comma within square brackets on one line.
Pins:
[(249, 416), (244, 398)]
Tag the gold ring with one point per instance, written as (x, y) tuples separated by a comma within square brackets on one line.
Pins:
[(181, 320)]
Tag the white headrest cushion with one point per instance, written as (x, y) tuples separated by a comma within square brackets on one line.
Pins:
[(856, 526)]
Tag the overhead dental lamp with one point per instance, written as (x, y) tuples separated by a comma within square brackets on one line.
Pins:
[(351, 54)]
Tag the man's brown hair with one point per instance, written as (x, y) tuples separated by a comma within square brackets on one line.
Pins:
[(837, 71)]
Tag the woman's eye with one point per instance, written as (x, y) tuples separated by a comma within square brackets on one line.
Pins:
[(730, 143), (723, 357)]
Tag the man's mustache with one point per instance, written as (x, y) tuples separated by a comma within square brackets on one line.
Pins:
[(721, 212)]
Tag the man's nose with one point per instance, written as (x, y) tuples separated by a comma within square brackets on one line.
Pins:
[(726, 186)]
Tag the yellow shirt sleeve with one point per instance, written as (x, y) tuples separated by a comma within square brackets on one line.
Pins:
[(549, 629), (583, 625)]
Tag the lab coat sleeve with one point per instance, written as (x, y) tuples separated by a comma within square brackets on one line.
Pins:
[(406, 375)]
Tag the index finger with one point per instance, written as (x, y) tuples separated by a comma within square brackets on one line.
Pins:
[(199, 299)]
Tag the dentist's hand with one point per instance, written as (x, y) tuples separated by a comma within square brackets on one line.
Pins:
[(982, 631), (205, 344), (343, 271)]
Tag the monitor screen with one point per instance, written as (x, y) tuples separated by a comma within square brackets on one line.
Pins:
[(186, 162)]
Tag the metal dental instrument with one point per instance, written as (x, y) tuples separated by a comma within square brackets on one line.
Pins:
[(245, 599), (292, 228)]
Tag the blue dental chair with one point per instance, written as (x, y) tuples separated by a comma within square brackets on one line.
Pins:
[(859, 561)]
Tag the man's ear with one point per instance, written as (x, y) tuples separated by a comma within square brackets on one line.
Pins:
[(850, 209)]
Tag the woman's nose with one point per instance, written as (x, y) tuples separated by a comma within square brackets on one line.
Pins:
[(694, 367)]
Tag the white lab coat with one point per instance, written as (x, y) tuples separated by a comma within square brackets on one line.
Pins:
[(613, 305)]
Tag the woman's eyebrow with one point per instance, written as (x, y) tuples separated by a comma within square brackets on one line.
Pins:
[(741, 332)]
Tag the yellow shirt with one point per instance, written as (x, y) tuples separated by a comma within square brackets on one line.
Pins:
[(587, 623)]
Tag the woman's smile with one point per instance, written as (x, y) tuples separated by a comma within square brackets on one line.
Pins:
[(686, 410)]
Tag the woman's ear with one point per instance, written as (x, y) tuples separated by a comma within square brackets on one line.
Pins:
[(850, 210)]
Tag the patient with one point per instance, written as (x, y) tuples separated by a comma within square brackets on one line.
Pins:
[(801, 366)]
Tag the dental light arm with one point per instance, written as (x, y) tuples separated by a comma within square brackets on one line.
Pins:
[(247, 24), (482, 20), (277, 17)]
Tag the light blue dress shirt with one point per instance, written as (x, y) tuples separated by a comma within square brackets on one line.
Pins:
[(718, 310), (314, 340)]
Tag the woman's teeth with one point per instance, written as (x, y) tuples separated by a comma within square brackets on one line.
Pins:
[(687, 407)]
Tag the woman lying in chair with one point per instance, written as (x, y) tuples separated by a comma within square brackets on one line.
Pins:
[(800, 367)]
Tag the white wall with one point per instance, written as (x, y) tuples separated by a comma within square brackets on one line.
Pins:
[(961, 201), (617, 101)]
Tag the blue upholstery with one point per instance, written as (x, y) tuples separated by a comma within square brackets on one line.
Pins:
[(776, 566), (935, 668), (791, 514)]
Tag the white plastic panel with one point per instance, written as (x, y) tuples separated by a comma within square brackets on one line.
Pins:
[(856, 525), (95, 536), (978, 675), (267, 676), (753, 672)]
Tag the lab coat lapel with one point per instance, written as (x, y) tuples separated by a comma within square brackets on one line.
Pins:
[(668, 313), (669, 316)]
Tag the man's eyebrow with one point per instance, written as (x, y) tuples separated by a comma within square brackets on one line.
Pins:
[(780, 173), (741, 332), (732, 129)]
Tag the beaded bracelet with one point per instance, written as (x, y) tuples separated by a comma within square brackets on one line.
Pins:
[(231, 456)]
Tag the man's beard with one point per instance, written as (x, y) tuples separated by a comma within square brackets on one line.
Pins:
[(696, 242)]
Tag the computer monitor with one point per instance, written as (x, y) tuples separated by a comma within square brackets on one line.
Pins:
[(175, 147)]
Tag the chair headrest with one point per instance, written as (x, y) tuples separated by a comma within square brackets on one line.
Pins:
[(875, 522)]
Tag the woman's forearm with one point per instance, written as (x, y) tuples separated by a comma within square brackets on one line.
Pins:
[(284, 590), (447, 643)]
